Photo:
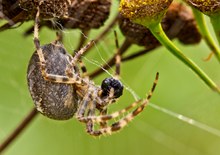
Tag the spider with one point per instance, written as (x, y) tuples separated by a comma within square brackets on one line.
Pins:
[(60, 91)]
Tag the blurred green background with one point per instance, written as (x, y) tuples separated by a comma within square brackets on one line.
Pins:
[(153, 132)]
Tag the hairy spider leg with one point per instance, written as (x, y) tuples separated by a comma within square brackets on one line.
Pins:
[(83, 105), (125, 120), (59, 35), (79, 53), (70, 78), (76, 59), (91, 112), (69, 70), (37, 43), (118, 113), (117, 57), (83, 69), (87, 101), (110, 99), (103, 112), (88, 104), (90, 119), (107, 117)]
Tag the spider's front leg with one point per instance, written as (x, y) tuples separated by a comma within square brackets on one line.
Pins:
[(37, 43), (61, 53), (88, 104), (103, 112), (123, 121), (107, 130), (77, 57)]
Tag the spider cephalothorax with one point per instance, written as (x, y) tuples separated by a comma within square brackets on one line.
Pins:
[(60, 90)]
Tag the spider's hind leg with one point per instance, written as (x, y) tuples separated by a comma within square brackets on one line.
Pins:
[(77, 59), (79, 53), (47, 76), (117, 58), (123, 121), (37, 43)]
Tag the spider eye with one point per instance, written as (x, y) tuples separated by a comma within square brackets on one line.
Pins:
[(109, 83)]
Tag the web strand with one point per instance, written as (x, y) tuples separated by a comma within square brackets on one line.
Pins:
[(166, 111)]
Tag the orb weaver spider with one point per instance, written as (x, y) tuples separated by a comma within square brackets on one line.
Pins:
[(60, 91)]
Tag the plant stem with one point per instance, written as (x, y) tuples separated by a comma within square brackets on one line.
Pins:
[(206, 34), (158, 32), (12, 136), (215, 20)]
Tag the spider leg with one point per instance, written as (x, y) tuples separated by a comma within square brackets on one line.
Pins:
[(118, 113), (103, 123), (82, 39), (82, 108), (37, 43), (50, 77), (79, 53), (91, 111), (83, 68), (122, 122), (117, 58), (59, 35), (88, 98), (103, 117), (76, 58)]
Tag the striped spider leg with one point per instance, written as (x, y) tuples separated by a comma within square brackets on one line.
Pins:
[(102, 119), (69, 78), (60, 91), (118, 125)]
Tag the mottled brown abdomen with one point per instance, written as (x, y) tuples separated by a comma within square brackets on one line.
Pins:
[(54, 100)]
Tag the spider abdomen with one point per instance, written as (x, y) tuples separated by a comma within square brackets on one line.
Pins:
[(55, 100)]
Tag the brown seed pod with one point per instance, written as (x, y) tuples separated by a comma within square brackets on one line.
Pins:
[(177, 23), (136, 33), (49, 9), (83, 14), (182, 24), (87, 14), (208, 7)]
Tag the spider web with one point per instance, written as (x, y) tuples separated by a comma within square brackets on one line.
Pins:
[(136, 97), (156, 134), (147, 129)]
